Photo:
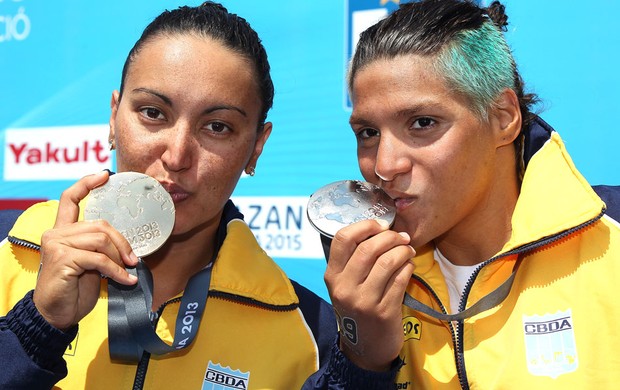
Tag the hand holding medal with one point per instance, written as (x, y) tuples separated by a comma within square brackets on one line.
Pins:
[(143, 212), (368, 268), (73, 256)]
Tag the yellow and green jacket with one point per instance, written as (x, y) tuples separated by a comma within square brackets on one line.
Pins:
[(556, 328), (260, 330)]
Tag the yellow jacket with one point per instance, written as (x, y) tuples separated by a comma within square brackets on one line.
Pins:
[(253, 334), (556, 329)]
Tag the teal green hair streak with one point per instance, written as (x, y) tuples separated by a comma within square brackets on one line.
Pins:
[(479, 65)]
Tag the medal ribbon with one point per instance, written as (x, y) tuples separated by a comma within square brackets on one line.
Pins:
[(487, 302), (130, 329)]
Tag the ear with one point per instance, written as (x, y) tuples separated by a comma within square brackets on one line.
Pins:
[(258, 145), (506, 117), (114, 102)]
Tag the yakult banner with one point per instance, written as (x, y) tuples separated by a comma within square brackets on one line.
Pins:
[(55, 153), (61, 60)]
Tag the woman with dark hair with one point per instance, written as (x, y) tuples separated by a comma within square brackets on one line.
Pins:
[(208, 308), (504, 254)]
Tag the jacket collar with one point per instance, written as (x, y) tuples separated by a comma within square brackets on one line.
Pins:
[(242, 267), (554, 196), (34, 221)]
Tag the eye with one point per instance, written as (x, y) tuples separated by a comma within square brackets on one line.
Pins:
[(152, 113), (423, 123), (218, 127), (366, 133)]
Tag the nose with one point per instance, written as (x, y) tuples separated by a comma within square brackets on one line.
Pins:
[(391, 158), (178, 152)]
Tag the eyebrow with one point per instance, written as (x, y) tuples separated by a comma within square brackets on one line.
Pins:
[(152, 92), (209, 110), (405, 112)]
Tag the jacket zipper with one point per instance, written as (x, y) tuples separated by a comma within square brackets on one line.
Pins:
[(457, 336), (24, 243), (441, 306)]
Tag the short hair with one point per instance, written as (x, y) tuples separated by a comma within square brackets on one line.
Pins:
[(213, 20)]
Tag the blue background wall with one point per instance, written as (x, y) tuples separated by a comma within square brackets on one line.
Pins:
[(60, 61)]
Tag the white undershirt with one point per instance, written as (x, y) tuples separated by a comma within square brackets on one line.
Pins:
[(456, 278)]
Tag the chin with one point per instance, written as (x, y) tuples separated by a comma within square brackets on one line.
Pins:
[(412, 229)]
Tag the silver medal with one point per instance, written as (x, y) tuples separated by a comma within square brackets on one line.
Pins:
[(137, 206), (342, 203)]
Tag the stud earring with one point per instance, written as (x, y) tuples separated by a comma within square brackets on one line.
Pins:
[(111, 144), (250, 171)]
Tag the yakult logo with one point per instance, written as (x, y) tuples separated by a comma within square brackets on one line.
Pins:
[(55, 153)]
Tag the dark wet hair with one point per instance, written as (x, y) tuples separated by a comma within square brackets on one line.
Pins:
[(467, 46), (213, 20)]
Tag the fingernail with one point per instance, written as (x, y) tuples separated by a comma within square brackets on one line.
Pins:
[(134, 258), (405, 235), (384, 224), (132, 278)]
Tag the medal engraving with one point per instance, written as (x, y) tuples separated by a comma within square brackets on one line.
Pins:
[(342, 203), (137, 206)]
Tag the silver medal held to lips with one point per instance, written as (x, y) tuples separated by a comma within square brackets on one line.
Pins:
[(137, 206), (342, 203)]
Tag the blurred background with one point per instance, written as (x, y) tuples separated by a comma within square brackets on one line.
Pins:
[(61, 60)]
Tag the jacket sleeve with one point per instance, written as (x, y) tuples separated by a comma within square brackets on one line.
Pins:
[(32, 349), (335, 370), (7, 219), (341, 374)]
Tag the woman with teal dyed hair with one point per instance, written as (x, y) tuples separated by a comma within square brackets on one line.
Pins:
[(501, 249)]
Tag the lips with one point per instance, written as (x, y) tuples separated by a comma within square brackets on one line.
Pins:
[(403, 203), (401, 200), (177, 193)]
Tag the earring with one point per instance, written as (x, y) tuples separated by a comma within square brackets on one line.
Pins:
[(250, 171), (111, 144)]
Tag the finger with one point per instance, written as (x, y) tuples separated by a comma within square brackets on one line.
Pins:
[(94, 236), (382, 279), (93, 241), (82, 261), (119, 241), (395, 289), (368, 253), (68, 207), (347, 239)]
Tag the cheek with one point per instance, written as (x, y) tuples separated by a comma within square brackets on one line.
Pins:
[(366, 164), (453, 160), (133, 152), (220, 171)]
